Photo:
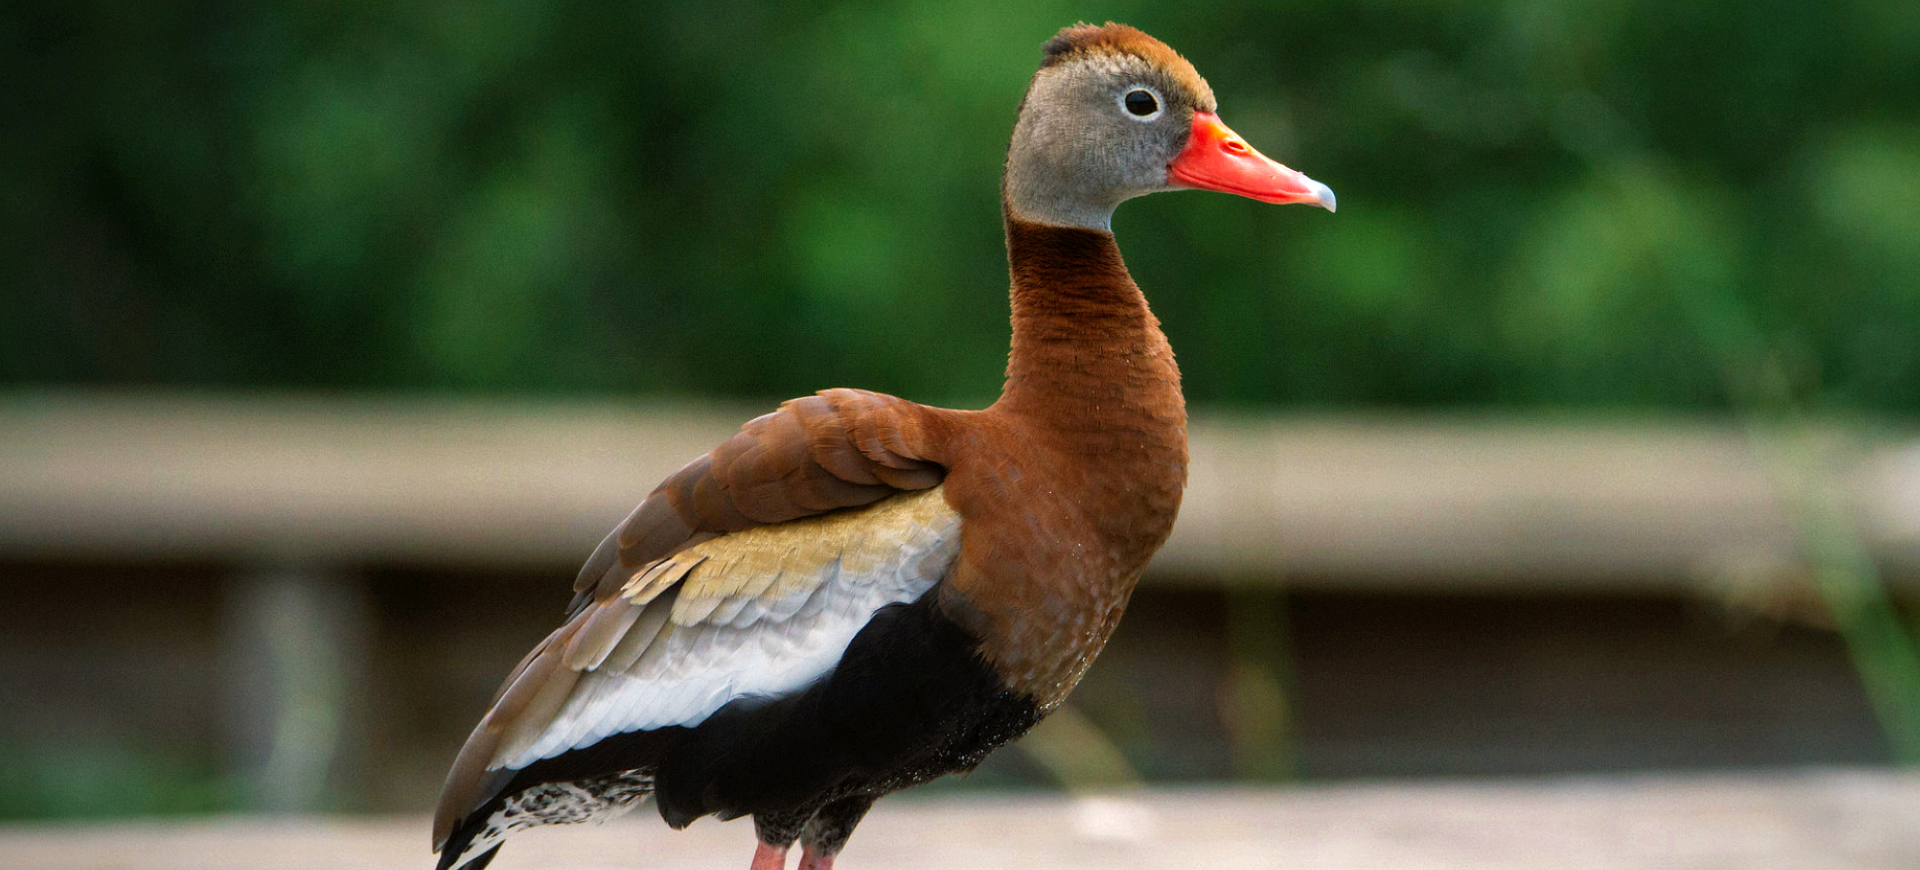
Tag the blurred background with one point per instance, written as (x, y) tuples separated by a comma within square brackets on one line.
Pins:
[(333, 336)]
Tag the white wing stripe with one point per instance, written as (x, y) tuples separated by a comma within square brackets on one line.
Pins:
[(637, 639), (683, 659)]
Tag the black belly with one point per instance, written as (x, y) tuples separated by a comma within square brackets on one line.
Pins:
[(910, 701)]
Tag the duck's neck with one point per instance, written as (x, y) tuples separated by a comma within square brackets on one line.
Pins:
[(1088, 358)]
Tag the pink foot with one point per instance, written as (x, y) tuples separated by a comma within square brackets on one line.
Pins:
[(811, 860), (769, 857)]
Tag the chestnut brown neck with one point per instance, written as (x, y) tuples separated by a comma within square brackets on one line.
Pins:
[(1089, 438), (1088, 357)]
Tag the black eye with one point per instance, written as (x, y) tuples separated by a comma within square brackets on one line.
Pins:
[(1141, 102)]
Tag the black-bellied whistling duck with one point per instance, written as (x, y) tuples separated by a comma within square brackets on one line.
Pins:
[(856, 593)]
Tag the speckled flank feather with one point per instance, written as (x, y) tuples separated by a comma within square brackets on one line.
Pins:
[(559, 803)]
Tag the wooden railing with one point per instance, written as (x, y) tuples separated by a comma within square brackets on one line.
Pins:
[(298, 494), (1359, 500)]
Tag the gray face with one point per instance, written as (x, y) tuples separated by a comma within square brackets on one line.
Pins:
[(1082, 145)]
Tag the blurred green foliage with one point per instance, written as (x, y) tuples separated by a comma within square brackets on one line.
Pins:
[(1543, 203), (102, 778)]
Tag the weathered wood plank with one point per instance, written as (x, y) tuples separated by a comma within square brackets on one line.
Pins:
[(1513, 503)]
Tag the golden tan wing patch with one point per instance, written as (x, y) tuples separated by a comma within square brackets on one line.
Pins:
[(775, 562)]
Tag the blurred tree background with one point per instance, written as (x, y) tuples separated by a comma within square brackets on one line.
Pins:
[(1592, 204), (1546, 205)]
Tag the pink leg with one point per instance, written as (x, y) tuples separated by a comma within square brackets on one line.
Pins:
[(769, 857), (815, 860)]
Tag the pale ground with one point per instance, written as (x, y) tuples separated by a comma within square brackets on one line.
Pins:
[(1773, 821)]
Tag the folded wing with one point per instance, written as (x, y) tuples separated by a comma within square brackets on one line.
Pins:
[(837, 449), (759, 613), (744, 574)]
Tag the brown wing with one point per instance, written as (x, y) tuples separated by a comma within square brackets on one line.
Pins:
[(837, 449), (761, 612)]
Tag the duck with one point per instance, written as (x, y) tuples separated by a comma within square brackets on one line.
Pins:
[(856, 593)]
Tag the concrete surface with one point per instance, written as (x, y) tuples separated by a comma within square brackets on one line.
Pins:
[(1812, 820)]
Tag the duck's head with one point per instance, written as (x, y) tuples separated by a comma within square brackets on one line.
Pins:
[(1113, 114)]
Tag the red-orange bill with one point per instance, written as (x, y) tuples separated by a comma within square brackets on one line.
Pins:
[(1216, 158)]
